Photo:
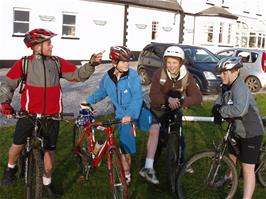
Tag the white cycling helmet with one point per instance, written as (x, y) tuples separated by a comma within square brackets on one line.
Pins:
[(243, 54), (229, 63), (174, 51)]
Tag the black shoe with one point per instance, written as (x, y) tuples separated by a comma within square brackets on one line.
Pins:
[(9, 176), (49, 191)]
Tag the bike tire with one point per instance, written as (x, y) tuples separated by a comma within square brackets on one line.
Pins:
[(81, 153), (34, 176), (117, 176), (261, 173), (171, 161), (197, 185)]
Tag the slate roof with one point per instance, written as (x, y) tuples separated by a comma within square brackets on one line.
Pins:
[(217, 11), (171, 5)]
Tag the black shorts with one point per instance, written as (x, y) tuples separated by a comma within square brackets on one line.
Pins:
[(249, 149), (49, 129)]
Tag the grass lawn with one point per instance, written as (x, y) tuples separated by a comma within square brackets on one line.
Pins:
[(198, 136)]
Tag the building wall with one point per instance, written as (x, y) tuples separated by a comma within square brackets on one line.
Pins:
[(89, 36), (140, 27)]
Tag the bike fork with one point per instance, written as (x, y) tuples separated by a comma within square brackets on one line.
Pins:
[(27, 160)]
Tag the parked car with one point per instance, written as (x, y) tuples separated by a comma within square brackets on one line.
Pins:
[(254, 66), (200, 62)]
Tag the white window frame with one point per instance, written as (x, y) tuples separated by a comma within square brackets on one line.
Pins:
[(20, 22), (208, 29), (155, 28), (69, 25)]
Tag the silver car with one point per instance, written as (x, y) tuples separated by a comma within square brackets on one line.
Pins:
[(254, 66)]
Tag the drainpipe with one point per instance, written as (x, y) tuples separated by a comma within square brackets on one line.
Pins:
[(125, 25), (181, 27)]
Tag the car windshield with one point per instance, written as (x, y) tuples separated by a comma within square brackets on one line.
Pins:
[(200, 55)]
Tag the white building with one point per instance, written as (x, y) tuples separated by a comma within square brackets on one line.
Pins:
[(217, 24), (87, 26)]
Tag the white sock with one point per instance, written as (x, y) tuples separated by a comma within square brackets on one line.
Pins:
[(12, 166), (46, 181), (149, 163)]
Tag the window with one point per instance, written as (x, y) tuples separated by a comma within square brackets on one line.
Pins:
[(229, 36), (208, 32), (154, 34), (252, 40), (69, 25), (21, 21), (221, 32)]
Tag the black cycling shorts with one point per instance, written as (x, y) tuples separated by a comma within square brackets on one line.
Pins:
[(49, 128), (249, 149)]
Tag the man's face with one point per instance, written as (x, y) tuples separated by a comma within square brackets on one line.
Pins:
[(173, 64), (122, 66), (228, 76), (47, 48), (44, 48)]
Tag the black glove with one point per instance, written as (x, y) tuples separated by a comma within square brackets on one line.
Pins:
[(216, 114)]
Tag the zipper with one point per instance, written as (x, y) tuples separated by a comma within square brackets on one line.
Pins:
[(44, 70)]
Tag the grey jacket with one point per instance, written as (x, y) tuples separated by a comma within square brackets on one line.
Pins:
[(238, 103)]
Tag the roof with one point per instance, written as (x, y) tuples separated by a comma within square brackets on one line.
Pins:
[(217, 11), (172, 5)]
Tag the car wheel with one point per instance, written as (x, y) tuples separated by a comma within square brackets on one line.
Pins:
[(253, 83), (145, 80)]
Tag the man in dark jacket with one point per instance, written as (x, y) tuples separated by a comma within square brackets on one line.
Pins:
[(166, 83)]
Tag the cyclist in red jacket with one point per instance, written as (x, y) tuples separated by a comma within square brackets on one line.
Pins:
[(41, 94)]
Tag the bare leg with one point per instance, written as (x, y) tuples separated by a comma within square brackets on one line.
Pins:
[(49, 157), (126, 163), (234, 159), (249, 180), (153, 141), (14, 153)]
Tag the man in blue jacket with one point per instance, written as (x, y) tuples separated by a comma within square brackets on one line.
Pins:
[(123, 86)]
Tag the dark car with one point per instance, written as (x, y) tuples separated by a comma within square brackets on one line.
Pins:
[(200, 62)]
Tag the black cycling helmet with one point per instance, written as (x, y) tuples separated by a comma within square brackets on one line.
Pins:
[(120, 53), (229, 63)]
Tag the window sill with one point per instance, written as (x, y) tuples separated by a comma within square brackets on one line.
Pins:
[(75, 38), (18, 35)]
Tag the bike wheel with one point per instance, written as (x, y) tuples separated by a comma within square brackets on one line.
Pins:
[(117, 177), (203, 181), (171, 161), (81, 153), (34, 175), (261, 172)]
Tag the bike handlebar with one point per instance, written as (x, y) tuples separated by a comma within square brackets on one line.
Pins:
[(59, 116)]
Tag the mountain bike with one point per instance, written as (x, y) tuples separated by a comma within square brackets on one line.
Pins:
[(171, 137), (31, 163), (84, 149), (211, 166)]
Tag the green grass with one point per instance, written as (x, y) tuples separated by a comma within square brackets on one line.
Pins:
[(65, 176)]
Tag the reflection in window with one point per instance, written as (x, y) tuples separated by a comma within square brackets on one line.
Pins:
[(154, 34), (21, 21), (252, 40), (221, 32), (208, 32), (69, 25)]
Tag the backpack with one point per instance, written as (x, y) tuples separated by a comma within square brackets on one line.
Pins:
[(25, 63)]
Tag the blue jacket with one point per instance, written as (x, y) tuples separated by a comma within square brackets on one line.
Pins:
[(126, 94)]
